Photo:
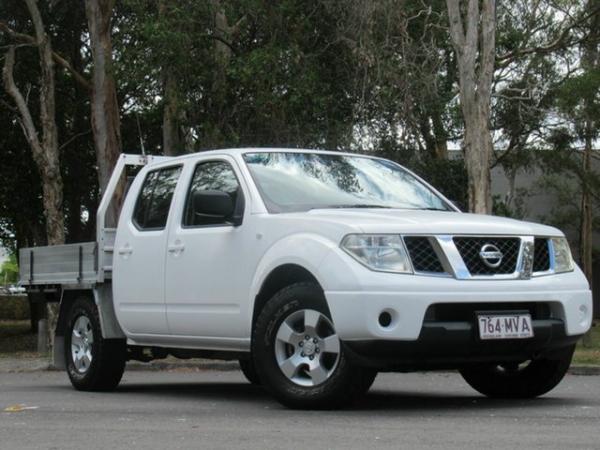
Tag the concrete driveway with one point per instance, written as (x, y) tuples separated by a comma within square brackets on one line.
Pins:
[(219, 410)]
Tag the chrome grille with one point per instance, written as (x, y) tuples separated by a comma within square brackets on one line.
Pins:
[(541, 255), (422, 254), (470, 247)]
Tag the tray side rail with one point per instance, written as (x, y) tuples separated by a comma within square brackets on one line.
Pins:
[(73, 264)]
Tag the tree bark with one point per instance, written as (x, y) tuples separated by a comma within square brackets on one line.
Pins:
[(172, 138), (441, 137), (106, 124), (45, 151), (587, 216), (225, 34), (474, 43), (172, 141), (587, 220), (591, 62)]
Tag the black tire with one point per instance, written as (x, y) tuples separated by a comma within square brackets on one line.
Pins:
[(368, 379), (527, 380), (345, 382), (108, 356), (247, 367)]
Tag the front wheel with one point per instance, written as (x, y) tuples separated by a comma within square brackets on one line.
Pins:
[(298, 355), (93, 363), (519, 380), (247, 368)]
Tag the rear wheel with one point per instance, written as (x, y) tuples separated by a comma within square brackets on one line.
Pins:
[(298, 354), (519, 380), (93, 363)]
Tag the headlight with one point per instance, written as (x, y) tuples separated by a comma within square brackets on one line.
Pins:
[(563, 261), (380, 252)]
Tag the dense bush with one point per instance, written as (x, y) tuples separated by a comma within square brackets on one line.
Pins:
[(14, 307)]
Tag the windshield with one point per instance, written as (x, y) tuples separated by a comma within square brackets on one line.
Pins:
[(291, 182)]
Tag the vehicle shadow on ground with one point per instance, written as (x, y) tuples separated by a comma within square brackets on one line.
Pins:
[(201, 390), (374, 400), (423, 401)]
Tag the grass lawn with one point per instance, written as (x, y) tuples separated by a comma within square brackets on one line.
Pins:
[(16, 339)]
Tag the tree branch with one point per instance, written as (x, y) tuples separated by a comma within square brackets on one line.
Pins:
[(74, 137), (12, 90), (58, 59), (560, 41)]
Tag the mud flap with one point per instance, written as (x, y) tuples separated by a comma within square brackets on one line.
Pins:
[(108, 319)]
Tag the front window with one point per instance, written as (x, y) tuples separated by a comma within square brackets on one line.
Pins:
[(210, 176), (291, 182)]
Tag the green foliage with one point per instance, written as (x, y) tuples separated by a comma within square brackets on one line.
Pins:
[(21, 211), (449, 176), (9, 271), (375, 76), (580, 94), (446, 175), (277, 77)]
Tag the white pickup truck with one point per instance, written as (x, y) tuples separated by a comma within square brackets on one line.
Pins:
[(316, 270)]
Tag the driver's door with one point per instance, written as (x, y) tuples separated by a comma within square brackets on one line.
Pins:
[(208, 266)]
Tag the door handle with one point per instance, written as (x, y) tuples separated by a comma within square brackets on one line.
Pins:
[(126, 250), (176, 248)]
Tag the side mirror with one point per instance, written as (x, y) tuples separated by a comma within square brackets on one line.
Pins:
[(217, 204)]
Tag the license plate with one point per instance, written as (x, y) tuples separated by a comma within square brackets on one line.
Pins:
[(497, 326)]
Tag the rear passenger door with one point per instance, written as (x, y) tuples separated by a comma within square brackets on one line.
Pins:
[(140, 251)]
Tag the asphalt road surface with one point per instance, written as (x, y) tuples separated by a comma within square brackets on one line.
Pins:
[(219, 410)]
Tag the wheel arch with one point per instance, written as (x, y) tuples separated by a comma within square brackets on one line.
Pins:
[(101, 297), (280, 277), (293, 259)]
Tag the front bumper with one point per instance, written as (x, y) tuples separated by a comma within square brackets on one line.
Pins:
[(357, 296), (452, 345)]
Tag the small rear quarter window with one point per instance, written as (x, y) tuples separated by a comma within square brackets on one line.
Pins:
[(154, 200)]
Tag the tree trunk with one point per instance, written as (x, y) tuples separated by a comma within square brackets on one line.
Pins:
[(172, 139), (45, 152), (587, 220), (587, 216), (478, 151), (172, 142), (223, 54), (591, 63), (441, 136), (106, 124), (473, 39)]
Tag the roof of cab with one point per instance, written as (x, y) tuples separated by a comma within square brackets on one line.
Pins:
[(241, 151)]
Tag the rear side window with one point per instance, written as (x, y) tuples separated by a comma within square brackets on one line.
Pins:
[(152, 206)]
